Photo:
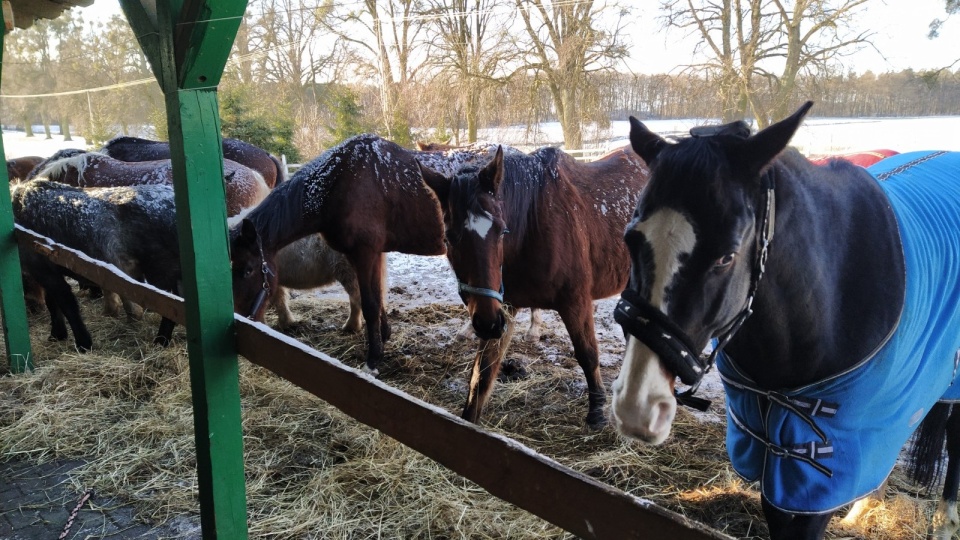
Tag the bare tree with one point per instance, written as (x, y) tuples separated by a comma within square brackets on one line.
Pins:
[(770, 42), (566, 40), (388, 31), (471, 48)]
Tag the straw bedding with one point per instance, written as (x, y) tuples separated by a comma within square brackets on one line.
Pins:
[(313, 472)]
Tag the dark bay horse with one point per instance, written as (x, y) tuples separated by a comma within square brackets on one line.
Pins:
[(245, 187), (863, 159), (539, 231), (851, 277), (19, 168), (366, 197), (137, 149), (133, 228)]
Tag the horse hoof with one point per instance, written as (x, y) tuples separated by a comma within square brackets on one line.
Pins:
[(596, 422), (162, 341), (531, 337), (374, 372), (351, 328), (84, 346)]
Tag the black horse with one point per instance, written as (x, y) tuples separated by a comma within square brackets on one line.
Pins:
[(852, 281), (133, 228)]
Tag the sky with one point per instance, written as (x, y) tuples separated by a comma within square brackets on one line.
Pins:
[(900, 28)]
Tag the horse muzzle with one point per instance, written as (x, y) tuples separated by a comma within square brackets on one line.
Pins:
[(490, 329)]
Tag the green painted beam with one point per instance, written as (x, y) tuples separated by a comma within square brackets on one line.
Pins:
[(214, 375), (190, 34), (16, 333), (204, 38)]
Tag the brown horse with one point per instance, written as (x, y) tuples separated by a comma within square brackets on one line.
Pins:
[(19, 168), (863, 159), (540, 231), (244, 187), (366, 197), (137, 149)]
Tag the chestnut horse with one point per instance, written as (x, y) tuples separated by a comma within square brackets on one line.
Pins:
[(309, 263), (244, 187), (137, 149), (863, 159), (366, 197), (539, 231)]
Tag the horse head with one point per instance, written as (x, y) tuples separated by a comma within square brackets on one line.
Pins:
[(697, 243), (254, 270), (474, 225)]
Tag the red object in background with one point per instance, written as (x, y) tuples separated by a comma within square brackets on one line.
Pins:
[(863, 159)]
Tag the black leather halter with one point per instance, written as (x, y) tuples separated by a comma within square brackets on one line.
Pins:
[(654, 328), (264, 292)]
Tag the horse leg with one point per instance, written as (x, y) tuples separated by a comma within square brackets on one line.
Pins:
[(385, 330), (862, 506), (486, 366), (784, 526), (164, 333), (946, 521), (577, 316), (58, 325), (369, 269), (350, 285), (536, 323), (285, 318), (58, 292)]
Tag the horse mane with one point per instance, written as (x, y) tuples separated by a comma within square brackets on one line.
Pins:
[(525, 176), (55, 170), (302, 195), (126, 139)]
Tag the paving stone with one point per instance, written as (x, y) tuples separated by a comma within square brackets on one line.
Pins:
[(36, 500)]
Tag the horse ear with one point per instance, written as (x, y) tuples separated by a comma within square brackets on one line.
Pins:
[(645, 143), (421, 147), (492, 174), (437, 182), (763, 147)]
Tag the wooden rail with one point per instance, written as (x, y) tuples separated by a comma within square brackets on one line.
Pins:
[(507, 469)]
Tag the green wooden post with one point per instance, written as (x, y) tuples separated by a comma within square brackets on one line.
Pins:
[(187, 43), (16, 333)]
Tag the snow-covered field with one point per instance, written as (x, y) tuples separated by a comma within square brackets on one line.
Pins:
[(817, 136)]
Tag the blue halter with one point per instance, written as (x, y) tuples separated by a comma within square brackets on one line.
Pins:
[(466, 289)]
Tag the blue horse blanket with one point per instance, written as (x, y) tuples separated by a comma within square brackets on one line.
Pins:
[(815, 449)]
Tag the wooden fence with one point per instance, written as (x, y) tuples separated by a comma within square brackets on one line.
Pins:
[(507, 469)]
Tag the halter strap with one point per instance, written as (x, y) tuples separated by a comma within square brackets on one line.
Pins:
[(264, 292), (481, 291), (654, 328)]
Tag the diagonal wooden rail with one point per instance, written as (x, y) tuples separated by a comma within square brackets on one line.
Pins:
[(507, 469)]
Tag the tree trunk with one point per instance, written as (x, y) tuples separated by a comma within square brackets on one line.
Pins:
[(65, 129), (570, 118), (27, 124)]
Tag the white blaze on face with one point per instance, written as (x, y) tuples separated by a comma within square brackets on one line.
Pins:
[(479, 223), (643, 404)]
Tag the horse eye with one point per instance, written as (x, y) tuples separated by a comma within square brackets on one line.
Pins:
[(248, 271), (724, 262)]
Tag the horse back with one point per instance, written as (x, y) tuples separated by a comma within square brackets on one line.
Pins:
[(375, 199), (609, 188)]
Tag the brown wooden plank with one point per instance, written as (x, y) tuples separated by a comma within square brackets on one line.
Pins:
[(107, 276), (502, 466)]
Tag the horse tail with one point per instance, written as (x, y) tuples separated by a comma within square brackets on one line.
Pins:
[(924, 463), (281, 169)]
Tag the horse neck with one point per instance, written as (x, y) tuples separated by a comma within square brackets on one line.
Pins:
[(833, 286), (280, 219)]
